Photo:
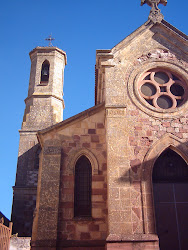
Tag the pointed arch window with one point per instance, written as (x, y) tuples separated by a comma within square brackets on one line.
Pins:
[(82, 189), (45, 71), (170, 185), (170, 167)]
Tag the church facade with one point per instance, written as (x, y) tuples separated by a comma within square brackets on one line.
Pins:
[(114, 176)]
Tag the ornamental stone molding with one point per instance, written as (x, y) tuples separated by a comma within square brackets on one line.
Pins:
[(161, 54), (155, 13), (167, 141), (145, 63), (75, 155), (162, 89)]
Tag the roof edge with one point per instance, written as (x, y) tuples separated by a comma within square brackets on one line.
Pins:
[(136, 32), (146, 25), (49, 49), (177, 31), (82, 115)]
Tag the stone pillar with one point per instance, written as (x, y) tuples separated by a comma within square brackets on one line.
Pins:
[(125, 208), (119, 192), (45, 222)]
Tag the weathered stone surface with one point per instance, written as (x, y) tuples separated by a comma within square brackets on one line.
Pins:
[(21, 243), (122, 136)]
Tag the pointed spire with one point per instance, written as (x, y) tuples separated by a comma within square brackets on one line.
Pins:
[(155, 13)]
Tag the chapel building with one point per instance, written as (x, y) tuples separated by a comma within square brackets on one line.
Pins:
[(114, 176)]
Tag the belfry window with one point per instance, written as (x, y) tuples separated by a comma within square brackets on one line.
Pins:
[(45, 71), (82, 189)]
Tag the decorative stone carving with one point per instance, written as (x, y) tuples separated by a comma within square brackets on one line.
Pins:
[(147, 62), (115, 112), (155, 13), (77, 154), (159, 54)]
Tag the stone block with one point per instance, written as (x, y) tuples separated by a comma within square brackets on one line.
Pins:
[(85, 236), (95, 138), (91, 131), (96, 212), (93, 227), (82, 228)]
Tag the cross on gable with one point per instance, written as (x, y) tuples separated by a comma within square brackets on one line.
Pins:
[(155, 13)]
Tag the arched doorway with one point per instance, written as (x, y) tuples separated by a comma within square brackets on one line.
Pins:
[(170, 188)]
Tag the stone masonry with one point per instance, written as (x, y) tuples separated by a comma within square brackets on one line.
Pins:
[(83, 134), (122, 136), (44, 107)]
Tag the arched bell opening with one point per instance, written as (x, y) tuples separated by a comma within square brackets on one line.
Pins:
[(170, 191), (45, 71)]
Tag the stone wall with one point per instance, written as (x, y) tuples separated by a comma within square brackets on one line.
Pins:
[(86, 137), (136, 132), (81, 137)]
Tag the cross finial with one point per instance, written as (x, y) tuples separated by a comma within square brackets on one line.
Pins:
[(155, 13), (50, 39)]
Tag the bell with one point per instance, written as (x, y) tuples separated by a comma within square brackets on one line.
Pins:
[(45, 72)]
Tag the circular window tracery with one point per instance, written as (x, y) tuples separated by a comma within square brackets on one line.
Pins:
[(162, 89)]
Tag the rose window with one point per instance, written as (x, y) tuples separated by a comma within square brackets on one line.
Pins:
[(162, 89)]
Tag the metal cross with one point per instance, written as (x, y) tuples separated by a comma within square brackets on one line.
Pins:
[(50, 39), (155, 13)]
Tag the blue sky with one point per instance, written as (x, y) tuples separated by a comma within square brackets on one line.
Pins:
[(79, 27)]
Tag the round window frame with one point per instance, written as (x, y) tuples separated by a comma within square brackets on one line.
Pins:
[(158, 93), (141, 103)]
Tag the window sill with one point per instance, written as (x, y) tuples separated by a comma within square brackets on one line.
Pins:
[(43, 83), (82, 218)]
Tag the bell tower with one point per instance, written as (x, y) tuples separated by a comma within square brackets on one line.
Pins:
[(44, 108), (44, 104)]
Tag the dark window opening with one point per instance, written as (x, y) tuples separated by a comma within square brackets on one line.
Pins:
[(170, 167), (161, 77), (45, 71), (164, 102), (170, 185), (82, 189), (148, 89)]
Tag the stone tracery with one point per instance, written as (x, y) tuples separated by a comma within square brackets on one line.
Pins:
[(162, 89)]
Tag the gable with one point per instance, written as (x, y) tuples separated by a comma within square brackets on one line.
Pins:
[(86, 122), (151, 45), (149, 36)]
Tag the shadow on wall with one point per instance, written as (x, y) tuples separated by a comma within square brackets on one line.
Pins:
[(24, 199)]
